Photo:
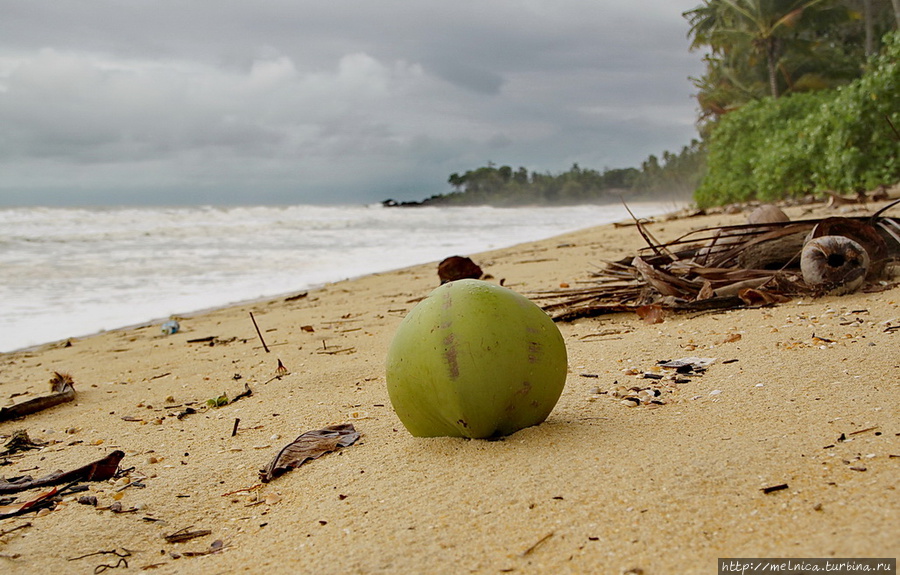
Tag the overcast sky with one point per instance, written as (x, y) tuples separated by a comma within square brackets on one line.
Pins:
[(295, 101)]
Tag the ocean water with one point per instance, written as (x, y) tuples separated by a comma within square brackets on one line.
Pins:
[(71, 272)]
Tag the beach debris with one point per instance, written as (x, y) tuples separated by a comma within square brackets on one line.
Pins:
[(90, 500), (99, 470), (866, 235), (19, 441), (212, 341), (280, 371), (835, 265), (170, 327), (458, 268), (537, 544), (651, 314), (25, 525), (246, 393), (62, 387), (310, 445), (774, 488), (334, 350), (223, 400), (122, 562), (866, 430), (259, 333), (296, 297), (753, 264), (214, 547), (14, 509), (687, 365), (666, 378), (183, 535)]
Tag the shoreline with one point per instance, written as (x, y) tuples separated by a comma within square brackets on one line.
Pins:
[(799, 395), (312, 286)]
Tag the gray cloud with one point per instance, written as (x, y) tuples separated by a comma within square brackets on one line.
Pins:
[(228, 101)]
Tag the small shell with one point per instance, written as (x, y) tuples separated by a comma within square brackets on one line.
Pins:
[(835, 264)]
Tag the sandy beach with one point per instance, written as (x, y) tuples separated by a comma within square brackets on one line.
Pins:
[(801, 398)]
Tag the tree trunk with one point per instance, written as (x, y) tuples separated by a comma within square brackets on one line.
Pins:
[(896, 4), (772, 63), (870, 32)]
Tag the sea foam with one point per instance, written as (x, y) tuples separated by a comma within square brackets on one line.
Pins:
[(70, 272)]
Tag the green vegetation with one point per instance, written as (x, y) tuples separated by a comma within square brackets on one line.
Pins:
[(771, 48), (842, 140), (795, 98)]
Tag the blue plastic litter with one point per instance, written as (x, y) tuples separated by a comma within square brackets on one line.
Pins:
[(170, 327)]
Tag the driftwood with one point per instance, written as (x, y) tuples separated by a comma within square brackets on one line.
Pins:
[(99, 470), (752, 264), (63, 389)]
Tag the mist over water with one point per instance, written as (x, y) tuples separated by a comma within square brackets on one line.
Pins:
[(72, 272)]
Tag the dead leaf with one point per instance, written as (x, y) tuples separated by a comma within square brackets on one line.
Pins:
[(309, 445), (651, 313), (19, 508), (706, 291), (759, 297)]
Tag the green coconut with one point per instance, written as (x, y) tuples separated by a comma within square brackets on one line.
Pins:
[(475, 360)]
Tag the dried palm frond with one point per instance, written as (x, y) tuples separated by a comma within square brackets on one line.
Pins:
[(724, 267)]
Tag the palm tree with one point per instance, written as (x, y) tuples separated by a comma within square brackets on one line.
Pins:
[(766, 26)]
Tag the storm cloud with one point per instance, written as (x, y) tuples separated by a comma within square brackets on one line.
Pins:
[(223, 101)]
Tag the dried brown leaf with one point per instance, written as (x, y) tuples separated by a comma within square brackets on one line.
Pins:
[(651, 313), (757, 297), (14, 509), (310, 445)]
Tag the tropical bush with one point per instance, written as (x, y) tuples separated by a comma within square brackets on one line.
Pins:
[(841, 140)]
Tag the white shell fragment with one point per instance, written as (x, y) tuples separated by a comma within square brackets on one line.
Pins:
[(696, 363)]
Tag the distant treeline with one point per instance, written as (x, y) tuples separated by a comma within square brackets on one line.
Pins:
[(673, 175)]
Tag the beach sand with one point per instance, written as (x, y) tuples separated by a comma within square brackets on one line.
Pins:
[(801, 394)]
